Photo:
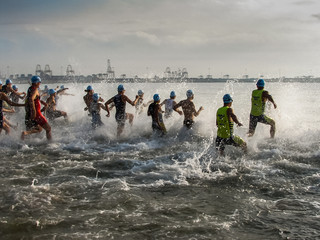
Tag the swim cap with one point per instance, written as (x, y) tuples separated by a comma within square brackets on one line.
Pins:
[(89, 88), (52, 91), (172, 94), (260, 83), (8, 81), (189, 93), (227, 98), (45, 87), (35, 79), (95, 96), (120, 88), (14, 87), (140, 92), (156, 97), (62, 86)]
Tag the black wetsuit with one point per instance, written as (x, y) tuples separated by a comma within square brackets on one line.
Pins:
[(4, 89), (120, 109)]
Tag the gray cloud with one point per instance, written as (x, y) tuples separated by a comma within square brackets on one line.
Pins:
[(195, 33), (317, 16)]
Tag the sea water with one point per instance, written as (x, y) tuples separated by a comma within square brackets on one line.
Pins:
[(89, 184)]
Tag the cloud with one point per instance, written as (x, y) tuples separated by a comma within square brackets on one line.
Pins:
[(317, 16)]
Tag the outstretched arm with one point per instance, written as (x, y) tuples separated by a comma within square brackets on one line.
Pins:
[(125, 98), (109, 101), (5, 98)]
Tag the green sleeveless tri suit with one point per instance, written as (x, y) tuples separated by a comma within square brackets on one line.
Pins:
[(257, 110), (225, 134)]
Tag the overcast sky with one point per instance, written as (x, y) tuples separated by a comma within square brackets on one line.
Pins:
[(236, 37)]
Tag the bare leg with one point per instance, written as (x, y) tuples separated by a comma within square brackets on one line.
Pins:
[(47, 127), (35, 129), (120, 129), (6, 128), (272, 129), (130, 116)]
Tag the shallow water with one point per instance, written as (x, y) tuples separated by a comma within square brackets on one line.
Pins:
[(91, 185)]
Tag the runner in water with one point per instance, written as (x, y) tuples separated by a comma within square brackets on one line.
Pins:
[(188, 109), (44, 94), (34, 120), (88, 98), (258, 101), (7, 88), (4, 124), (169, 104), (120, 101), (140, 105), (16, 96), (95, 111), (155, 112), (224, 122), (51, 111)]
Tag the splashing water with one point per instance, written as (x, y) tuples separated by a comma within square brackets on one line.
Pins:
[(93, 185)]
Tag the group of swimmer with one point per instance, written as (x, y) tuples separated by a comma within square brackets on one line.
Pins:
[(35, 121), (226, 118), (94, 105)]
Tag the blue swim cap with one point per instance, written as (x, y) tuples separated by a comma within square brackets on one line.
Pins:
[(95, 96), (35, 79), (172, 94), (120, 88), (140, 92), (62, 86), (14, 87), (52, 91), (260, 83), (189, 93), (89, 88), (8, 81), (156, 97), (45, 87), (227, 98)]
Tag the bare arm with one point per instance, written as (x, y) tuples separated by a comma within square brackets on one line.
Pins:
[(111, 100), (233, 116), (106, 108), (196, 114), (125, 98), (269, 97), (177, 106), (5, 98)]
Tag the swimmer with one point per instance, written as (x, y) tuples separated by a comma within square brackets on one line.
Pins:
[(95, 111), (189, 110), (258, 101), (155, 112), (4, 124), (224, 121), (88, 98), (16, 96), (169, 104), (51, 111), (34, 119), (120, 101), (140, 105), (7, 88)]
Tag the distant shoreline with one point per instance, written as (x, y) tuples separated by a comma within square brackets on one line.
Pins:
[(89, 79)]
